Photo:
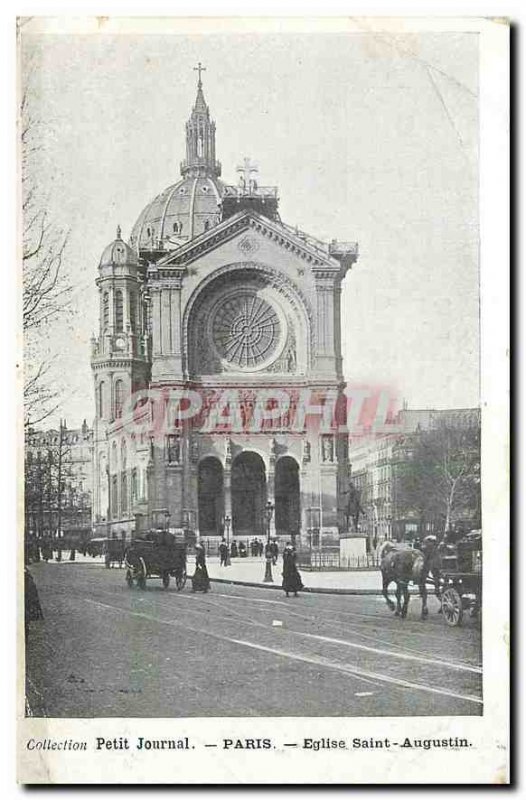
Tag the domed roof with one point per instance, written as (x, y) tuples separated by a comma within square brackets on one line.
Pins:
[(181, 212), (118, 252)]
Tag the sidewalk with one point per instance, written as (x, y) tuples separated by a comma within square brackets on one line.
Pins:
[(250, 572)]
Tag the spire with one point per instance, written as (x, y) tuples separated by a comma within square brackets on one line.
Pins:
[(200, 137), (200, 104)]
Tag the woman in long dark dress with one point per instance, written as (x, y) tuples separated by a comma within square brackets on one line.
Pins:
[(200, 580), (291, 577)]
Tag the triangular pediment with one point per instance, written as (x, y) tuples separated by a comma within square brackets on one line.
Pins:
[(312, 251)]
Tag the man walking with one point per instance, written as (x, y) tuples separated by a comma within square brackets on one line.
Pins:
[(223, 554)]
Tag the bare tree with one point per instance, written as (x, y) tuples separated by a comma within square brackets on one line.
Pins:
[(439, 475), (46, 287)]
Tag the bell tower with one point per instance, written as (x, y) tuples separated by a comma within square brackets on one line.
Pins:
[(200, 138), (120, 358)]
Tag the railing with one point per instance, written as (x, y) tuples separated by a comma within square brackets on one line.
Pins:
[(333, 561)]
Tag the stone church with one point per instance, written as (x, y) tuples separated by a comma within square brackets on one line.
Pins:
[(217, 307)]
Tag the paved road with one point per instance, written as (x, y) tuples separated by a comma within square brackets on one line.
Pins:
[(106, 651)]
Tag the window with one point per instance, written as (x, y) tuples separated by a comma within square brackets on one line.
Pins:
[(119, 311), (114, 498), (113, 461), (133, 311), (124, 493), (101, 400), (105, 310), (133, 486), (119, 398), (123, 454)]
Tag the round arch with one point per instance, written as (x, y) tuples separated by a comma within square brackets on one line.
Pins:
[(287, 497), (286, 293), (210, 496), (249, 494)]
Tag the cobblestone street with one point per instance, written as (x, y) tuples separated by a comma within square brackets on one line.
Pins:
[(105, 650)]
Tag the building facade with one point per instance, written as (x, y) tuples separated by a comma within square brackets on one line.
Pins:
[(217, 357), (59, 482), (380, 466)]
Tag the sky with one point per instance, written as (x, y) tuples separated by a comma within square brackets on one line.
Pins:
[(370, 137)]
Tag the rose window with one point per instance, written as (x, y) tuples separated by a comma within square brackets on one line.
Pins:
[(246, 330)]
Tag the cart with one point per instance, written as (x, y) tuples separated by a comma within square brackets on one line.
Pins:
[(461, 578), (156, 554), (114, 552)]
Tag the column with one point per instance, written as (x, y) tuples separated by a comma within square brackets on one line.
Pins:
[(271, 477)]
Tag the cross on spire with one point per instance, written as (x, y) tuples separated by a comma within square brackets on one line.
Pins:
[(199, 69)]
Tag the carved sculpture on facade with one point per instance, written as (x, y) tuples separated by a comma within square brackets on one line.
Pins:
[(327, 444)]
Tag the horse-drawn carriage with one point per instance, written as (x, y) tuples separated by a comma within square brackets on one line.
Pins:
[(157, 554), (454, 569), (461, 577)]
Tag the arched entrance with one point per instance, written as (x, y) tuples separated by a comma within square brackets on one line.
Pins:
[(210, 497), (287, 497), (249, 494)]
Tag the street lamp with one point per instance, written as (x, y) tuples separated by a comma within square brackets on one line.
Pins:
[(269, 510), (228, 520)]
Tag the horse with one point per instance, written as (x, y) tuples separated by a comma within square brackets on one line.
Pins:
[(403, 565)]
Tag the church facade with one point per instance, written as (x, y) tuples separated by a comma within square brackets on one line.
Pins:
[(217, 366)]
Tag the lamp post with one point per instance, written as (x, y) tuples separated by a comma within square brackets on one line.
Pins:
[(269, 510), (227, 526)]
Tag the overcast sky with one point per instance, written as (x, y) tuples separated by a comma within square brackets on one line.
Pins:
[(370, 138)]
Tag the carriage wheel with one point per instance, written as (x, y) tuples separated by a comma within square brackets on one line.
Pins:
[(452, 607), (166, 579), (141, 574), (129, 578), (180, 580)]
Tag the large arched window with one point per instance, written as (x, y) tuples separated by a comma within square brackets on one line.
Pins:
[(119, 311), (119, 398), (114, 497), (113, 459), (124, 493), (105, 310), (100, 400)]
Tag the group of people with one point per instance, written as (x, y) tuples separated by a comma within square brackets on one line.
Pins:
[(47, 550), (239, 550), (291, 583)]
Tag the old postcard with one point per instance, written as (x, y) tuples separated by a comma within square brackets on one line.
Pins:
[(264, 269)]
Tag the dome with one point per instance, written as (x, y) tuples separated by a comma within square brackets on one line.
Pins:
[(118, 252), (183, 211)]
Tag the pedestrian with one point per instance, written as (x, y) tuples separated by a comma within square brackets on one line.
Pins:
[(223, 554), (274, 551), (32, 607), (242, 550), (200, 579), (291, 576), (233, 550)]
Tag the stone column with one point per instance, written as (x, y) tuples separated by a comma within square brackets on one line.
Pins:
[(271, 486)]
